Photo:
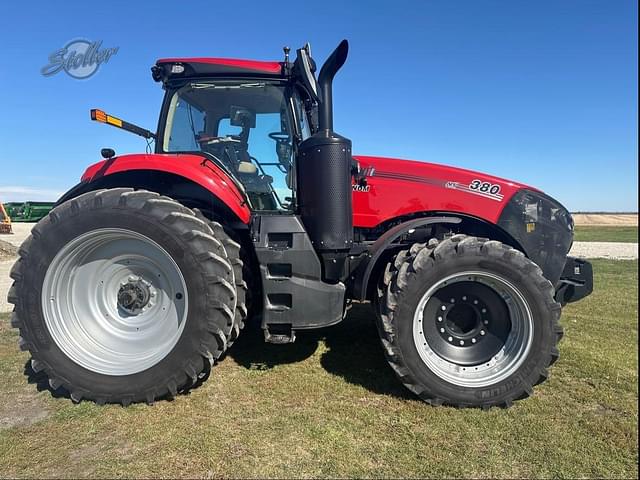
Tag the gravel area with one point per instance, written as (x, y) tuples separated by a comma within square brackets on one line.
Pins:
[(7, 250), (5, 283), (20, 233), (611, 250)]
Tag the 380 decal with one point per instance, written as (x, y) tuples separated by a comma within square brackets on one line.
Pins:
[(485, 187), (478, 187)]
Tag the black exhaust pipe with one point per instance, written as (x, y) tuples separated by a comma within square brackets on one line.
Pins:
[(324, 180), (325, 81)]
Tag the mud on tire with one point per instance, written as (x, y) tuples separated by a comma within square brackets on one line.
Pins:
[(200, 258), (429, 351)]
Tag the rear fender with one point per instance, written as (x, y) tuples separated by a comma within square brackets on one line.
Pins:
[(182, 174)]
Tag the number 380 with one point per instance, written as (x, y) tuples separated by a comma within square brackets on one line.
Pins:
[(484, 187)]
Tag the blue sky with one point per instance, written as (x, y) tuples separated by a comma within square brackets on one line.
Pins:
[(542, 92)]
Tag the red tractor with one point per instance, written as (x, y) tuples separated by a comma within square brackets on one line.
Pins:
[(252, 206)]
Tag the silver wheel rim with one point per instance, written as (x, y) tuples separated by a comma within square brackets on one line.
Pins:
[(510, 357), (114, 301)]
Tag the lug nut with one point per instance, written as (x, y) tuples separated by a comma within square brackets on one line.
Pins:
[(482, 332), (453, 300), (473, 340), (486, 322), (461, 342), (439, 319), (464, 298), (450, 339), (442, 330), (475, 302), (443, 307), (484, 310)]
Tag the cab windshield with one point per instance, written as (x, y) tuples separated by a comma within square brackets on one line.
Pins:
[(246, 126)]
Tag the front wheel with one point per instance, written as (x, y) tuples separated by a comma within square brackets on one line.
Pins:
[(123, 296), (468, 322)]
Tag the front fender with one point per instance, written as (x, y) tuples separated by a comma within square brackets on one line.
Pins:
[(195, 168), (385, 241)]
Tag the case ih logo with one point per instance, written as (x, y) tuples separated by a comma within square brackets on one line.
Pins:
[(79, 58)]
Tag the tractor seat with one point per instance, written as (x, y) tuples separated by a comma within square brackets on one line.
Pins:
[(247, 168)]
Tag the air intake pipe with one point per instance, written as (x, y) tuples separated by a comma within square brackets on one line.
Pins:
[(324, 180)]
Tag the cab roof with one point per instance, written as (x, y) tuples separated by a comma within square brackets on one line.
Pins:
[(167, 68)]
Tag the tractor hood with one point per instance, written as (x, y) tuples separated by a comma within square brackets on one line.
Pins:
[(394, 188)]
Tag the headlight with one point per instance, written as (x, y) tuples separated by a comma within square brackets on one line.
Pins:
[(542, 226), (536, 207)]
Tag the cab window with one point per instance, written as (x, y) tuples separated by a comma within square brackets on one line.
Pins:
[(246, 127)]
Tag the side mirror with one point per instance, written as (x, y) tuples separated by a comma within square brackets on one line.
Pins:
[(242, 117), (305, 67)]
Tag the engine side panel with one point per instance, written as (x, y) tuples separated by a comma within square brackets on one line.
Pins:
[(192, 167), (396, 188)]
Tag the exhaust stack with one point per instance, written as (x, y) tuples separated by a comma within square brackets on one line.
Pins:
[(325, 81), (324, 180)]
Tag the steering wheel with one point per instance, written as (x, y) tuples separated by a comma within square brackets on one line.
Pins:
[(280, 137), (207, 140)]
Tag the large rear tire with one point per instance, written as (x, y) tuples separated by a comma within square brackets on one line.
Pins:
[(468, 322), (238, 258), (123, 296)]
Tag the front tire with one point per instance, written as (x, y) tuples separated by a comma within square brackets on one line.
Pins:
[(468, 322), (123, 296)]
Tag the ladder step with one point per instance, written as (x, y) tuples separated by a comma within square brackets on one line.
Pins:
[(279, 333)]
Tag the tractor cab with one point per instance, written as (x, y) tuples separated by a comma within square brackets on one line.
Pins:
[(247, 117), (248, 128)]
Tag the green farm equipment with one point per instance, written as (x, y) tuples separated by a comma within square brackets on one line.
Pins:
[(28, 211)]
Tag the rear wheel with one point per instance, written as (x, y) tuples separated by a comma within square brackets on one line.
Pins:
[(123, 296), (468, 322), (238, 259)]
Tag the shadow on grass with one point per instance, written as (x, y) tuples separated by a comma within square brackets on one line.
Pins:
[(354, 352), (41, 381), (252, 352)]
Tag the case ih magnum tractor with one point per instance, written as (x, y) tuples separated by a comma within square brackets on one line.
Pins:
[(146, 271)]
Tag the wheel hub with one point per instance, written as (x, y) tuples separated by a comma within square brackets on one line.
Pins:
[(462, 319), (473, 328), (135, 295), (114, 301), (467, 323)]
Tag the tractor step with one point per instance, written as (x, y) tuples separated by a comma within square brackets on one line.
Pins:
[(280, 334), (294, 295)]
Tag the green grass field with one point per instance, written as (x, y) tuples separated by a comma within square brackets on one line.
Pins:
[(329, 406), (593, 233)]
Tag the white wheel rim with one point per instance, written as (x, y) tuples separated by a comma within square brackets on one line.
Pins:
[(114, 301), (510, 357)]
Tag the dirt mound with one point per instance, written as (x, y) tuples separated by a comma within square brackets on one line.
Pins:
[(7, 250)]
